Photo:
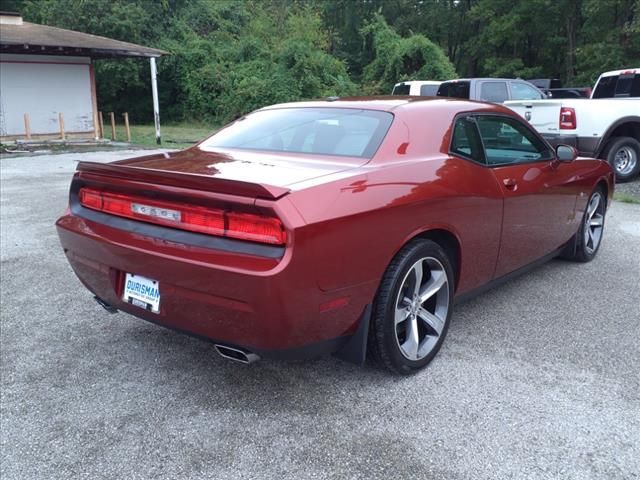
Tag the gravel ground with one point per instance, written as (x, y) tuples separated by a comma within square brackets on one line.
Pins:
[(630, 188), (538, 379)]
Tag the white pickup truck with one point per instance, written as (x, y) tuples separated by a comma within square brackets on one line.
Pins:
[(606, 126)]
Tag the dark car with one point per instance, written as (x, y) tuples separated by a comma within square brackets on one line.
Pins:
[(345, 226)]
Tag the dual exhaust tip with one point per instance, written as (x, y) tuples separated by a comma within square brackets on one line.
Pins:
[(230, 353)]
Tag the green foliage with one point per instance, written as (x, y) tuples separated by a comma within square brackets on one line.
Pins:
[(256, 63), (228, 57), (397, 58)]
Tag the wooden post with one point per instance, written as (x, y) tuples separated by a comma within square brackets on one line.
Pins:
[(61, 122), (112, 117), (126, 126), (96, 125), (27, 126), (101, 124)]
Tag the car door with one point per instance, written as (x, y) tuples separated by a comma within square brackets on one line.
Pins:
[(539, 200)]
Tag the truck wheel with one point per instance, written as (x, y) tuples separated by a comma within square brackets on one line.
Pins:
[(623, 154)]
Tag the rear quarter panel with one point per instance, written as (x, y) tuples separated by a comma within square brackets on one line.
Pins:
[(357, 224)]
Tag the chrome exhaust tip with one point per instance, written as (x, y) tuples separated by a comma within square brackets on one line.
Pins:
[(108, 307), (236, 354)]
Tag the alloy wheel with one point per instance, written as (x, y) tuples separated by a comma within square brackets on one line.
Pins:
[(594, 223), (421, 308)]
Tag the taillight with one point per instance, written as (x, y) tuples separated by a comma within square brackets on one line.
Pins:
[(224, 223), (567, 118)]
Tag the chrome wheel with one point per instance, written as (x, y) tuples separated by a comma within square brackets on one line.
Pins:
[(625, 160), (421, 308), (594, 223)]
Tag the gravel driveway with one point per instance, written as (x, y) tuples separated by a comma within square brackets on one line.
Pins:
[(538, 379)]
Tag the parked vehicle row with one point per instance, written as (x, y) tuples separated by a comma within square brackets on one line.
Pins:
[(606, 126)]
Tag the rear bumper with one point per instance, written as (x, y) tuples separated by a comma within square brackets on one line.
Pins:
[(270, 306), (586, 146)]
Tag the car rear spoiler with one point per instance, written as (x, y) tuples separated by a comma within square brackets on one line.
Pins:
[(185, 180)]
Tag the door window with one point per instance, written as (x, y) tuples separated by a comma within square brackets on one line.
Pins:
[(466, 141), (507, 141), (494, 92), (522, 91)]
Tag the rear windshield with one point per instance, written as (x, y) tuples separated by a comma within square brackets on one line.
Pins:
[(401, 89), (618, 86), (428, 90), (322, 131), (454, 89)]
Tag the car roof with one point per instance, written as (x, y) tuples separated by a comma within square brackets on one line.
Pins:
[(390, 103), (420, 82), (619, 72), (475, 79)]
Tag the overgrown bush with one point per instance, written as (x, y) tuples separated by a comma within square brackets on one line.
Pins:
[(397, 58)]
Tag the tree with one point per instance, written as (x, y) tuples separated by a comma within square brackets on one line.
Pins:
[(397, 58)]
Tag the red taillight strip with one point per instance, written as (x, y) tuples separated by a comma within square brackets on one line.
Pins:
[(243, 226)]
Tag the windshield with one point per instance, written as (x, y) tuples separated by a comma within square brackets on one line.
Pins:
[(322, 131)]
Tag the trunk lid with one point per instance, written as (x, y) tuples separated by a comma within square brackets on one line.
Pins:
[(244, 173)]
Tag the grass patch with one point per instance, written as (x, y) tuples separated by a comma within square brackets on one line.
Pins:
[(626, 198), (180, 135)]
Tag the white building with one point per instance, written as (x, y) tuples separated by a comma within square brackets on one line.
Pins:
[(47, 71)]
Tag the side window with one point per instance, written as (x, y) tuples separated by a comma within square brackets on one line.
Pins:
[(522, 91), (493, 92), (507, 141), (466, 141)]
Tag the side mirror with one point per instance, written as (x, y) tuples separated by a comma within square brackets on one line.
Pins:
[(565, 153)]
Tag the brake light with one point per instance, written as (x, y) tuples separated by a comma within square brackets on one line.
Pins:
[(223, 223), (567, 118)]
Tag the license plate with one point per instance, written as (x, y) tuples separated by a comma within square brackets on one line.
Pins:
[(142, 292)]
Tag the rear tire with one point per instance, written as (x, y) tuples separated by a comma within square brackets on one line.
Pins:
[(623, 154), (412, 309)]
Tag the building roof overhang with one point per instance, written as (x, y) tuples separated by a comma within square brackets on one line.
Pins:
[(33, 39)]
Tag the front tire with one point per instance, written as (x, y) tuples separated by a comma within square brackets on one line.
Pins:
[(623, 154), (412, 309), (589, 237)]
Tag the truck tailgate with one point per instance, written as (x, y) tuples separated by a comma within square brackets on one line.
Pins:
[(543, 115)]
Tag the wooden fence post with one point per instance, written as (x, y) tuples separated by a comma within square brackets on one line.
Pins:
[(27, 126), (126, 126), (61, 122), (101, 119), (113, 125)]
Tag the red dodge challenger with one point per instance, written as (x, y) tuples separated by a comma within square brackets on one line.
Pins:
[(346, 225)]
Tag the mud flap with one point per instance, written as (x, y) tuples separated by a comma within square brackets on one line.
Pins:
[(355, 349)]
